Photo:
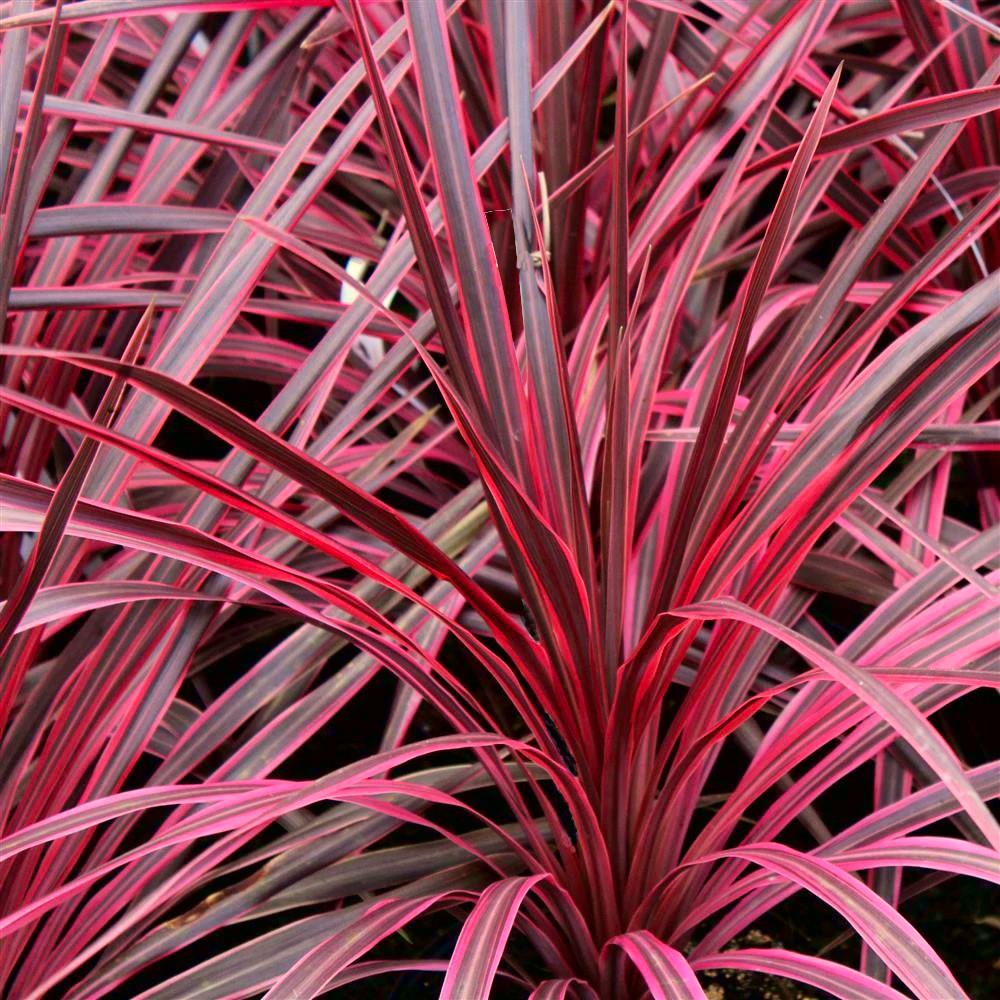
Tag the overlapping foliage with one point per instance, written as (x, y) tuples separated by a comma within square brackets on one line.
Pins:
[(485, 488)]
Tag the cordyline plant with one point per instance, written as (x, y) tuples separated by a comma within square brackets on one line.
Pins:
[(496, 496)]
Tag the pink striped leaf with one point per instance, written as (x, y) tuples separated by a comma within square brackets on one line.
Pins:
[(665, 971), (838, 980), (891, 937), (483, 938)]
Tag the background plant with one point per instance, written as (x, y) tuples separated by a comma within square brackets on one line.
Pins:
[(498, 492)]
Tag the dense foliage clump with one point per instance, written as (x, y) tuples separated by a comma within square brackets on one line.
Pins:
[(497, 498)]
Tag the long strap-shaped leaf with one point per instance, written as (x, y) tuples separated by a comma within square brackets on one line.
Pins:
[(665, 970), (478, 278), (14, 223), (532, 542), (483, 939), (96, 10), (431, 267), (918, 810), (926, 113), (560, 989), (659, 341), (719, 410), (891, 937), (100, 811), (61, 510), (466, 356), (937, 853), (617, 509), (67, 600), (558, 444), (836, 979), (881, 699), (311, 974), (245, 811)]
